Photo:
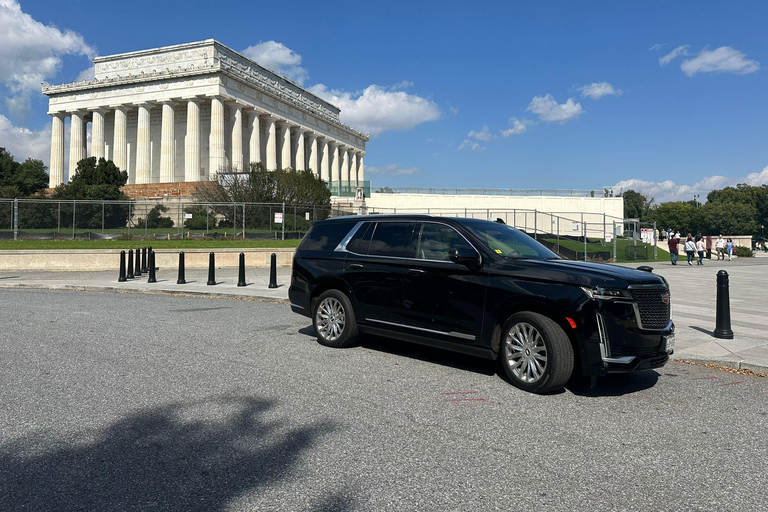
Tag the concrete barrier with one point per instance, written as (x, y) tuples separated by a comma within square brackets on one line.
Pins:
[(107, 259)]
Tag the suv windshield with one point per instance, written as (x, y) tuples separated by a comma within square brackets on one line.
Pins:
[(508, 241)]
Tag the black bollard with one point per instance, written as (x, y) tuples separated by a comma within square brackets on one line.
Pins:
[(152, 275), (211, 269), (144, 259), (273, 271), (241, 271), (122, 278), (130, 264), (723, 319), (181, 279), (137, 269)]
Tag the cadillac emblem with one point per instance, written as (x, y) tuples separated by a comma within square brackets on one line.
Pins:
[(665, 298)]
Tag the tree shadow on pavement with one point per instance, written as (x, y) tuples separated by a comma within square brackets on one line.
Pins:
[(197, 455)]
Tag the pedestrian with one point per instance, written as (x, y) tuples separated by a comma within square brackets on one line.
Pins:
[(709, 247), (677, 235), (690, 249), (700, 250), (674, 253), (729, 248), (720, 246)]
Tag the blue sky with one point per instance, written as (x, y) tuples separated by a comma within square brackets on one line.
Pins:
[(459, 94)]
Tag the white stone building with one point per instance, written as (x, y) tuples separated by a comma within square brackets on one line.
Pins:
[(184, 113)]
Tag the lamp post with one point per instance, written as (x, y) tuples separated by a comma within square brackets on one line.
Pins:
[(696, 200)]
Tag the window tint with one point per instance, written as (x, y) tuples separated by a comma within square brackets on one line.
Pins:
[(325, 236), (361, 239), (436, 240), (393, 239)]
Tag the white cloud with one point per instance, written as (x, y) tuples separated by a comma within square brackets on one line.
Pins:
[(550, 111), (393, 170), (597, 90), (468, 144), (23, 143), (453, 110), (484, 135), (86, 75), (670, 191), (680, 50), (31, 52), (657, 46), (720, 60), (279, 58), (378, 109), (519, 126)]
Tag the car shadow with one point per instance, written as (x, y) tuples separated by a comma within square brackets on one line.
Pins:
[(615, 384), (195, 455), (701, 329)]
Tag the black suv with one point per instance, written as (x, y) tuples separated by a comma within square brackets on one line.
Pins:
[(481, 288)]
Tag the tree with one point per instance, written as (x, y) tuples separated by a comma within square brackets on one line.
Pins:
[(677, 215), (200, 218), (294, 188), (21, 179), (636, 205), (155, 219), (729, 218)]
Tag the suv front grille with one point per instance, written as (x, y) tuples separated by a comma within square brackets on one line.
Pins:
[(654, 313)]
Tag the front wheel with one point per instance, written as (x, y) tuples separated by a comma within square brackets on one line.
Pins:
[(334, 319), (536, 353)]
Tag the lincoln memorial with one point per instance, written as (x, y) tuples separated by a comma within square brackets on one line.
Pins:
[(188, 112)]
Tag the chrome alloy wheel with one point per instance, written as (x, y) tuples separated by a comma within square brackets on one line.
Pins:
[(526, 353), (330, 318)]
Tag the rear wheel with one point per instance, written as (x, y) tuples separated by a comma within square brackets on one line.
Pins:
[(334, 320), (536, 353)]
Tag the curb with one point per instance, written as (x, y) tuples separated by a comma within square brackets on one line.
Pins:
[(167, 293), (734, 365)]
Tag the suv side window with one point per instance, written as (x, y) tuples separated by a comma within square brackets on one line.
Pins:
[(436, 240), (393, 239), (361, 239), (325, 236)]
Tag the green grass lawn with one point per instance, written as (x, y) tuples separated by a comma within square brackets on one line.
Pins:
[(621, 245), (156, 244)]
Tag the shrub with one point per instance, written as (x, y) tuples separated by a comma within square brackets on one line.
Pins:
[(743, 252)]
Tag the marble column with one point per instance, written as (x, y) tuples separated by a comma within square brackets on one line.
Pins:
[(360, 169), (237, 138), (336, 163), (143, 155), (271, 130), (325, 173), (97, 137), (344, 174), (120, 141), (217, 157), (167, 145), (56, 176), (353, 167), (76, 142), (192, 142), (254, 139), (313, 161), (301, 162), (285, 146)]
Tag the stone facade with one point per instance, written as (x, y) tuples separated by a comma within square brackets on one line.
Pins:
[(187, 112)]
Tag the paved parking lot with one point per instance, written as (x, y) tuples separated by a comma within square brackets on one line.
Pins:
[(126, 401)]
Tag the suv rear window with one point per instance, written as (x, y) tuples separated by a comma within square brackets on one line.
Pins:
[(393, 239), (325, 236)]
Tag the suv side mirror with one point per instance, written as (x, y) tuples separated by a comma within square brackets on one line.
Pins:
[(464, 256)]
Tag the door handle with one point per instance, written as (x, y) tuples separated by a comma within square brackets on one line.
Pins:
[(415, 272), (355, 266)]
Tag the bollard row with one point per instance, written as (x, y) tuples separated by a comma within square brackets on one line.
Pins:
[(145, 263)]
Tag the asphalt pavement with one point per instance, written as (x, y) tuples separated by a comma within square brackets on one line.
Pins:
[(140, 402)]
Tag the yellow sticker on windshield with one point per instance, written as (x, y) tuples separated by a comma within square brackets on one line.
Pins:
[(498, 251)]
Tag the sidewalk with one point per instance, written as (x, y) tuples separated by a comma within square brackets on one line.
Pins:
[(693, 294)]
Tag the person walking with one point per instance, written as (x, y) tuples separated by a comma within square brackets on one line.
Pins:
[(690, 249), (729, 248), (720, 246), (700, 250), (674, 253)]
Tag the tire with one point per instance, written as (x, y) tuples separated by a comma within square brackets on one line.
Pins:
[(536, 353), (334, 319)]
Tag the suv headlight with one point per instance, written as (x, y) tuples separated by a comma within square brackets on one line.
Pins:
[(600, 293)]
